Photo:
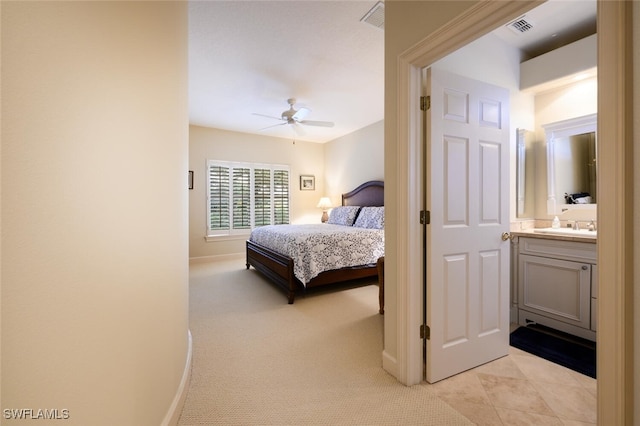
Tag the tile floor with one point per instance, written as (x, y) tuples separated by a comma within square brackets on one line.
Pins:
[(522, 389)]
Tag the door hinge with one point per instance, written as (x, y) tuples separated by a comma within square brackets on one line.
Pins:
[(425, 332), (425, 103), (425, 217)]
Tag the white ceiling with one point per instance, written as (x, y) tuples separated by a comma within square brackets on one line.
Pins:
[(249, 57)]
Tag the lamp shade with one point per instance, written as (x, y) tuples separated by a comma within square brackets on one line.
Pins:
[(325, 203)]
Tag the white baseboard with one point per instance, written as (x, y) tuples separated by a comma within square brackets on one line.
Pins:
[(390, 364), (216, 258), (173, 415)]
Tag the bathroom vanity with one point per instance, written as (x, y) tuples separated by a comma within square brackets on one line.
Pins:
[(554, 271), (557, 280)]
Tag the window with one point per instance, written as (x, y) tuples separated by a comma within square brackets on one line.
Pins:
[(242, 196)]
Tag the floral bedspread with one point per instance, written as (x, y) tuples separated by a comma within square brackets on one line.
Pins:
[(315, 248)]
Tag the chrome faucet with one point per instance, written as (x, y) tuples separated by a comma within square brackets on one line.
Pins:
[(592, 225)]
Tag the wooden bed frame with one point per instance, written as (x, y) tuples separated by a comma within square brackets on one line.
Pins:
[(279, 268)]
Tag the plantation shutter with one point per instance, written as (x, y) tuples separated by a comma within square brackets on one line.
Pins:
[(219, 198), (262, 197), (281, 196), (241, 198), (244, 195)]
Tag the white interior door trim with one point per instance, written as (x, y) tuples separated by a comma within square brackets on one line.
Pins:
[(477, 21), (409, 195), (615, 363)]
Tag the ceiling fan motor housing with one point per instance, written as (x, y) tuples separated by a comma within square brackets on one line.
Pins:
[(288, 114)]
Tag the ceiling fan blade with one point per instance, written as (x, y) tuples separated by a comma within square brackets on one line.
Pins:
[(268, 116), (298, 130), (317, 123), (275, 125), (301, 114)]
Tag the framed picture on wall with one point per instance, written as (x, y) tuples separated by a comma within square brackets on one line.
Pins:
[(307, 182)]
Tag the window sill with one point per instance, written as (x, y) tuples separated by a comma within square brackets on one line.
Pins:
[(235, 237)]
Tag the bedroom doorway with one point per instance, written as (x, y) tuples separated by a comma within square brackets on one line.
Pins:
[(615, 251)]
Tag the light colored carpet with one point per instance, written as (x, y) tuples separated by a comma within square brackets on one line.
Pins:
[(260, 361)]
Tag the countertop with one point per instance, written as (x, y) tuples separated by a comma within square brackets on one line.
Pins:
[(530, 233)]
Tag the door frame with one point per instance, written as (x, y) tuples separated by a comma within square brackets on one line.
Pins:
[(615, 210)]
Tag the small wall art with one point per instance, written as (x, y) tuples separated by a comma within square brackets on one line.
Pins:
[(307, 183)]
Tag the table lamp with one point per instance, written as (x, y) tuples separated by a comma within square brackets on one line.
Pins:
[(324, 204)]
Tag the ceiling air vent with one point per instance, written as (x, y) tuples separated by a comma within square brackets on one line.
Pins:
[(520, 25), (375, 16)]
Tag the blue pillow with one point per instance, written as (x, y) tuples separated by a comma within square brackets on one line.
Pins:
[(371, 217), (343, 215)]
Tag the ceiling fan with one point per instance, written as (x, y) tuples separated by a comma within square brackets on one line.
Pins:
[(294, 117)]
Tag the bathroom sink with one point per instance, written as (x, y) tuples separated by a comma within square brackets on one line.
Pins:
[(568, 232)]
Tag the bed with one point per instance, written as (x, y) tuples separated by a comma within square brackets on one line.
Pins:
[(279, 267)]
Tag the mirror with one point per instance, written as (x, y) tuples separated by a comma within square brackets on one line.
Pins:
[(525, 179), (571, 163)]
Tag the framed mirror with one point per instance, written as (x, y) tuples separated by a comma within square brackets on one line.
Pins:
[(525, 179), (571, 164)]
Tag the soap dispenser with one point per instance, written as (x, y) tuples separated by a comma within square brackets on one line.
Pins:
[(556, 223)]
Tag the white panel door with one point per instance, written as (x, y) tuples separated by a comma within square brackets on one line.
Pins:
[(467, 173)]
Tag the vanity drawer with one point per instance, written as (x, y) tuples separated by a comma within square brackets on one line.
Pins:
[(568, 250)]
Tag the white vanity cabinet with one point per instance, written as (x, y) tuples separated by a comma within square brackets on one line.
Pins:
[(557, 284)]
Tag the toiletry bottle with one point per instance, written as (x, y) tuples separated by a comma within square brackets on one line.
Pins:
[(556, 223)]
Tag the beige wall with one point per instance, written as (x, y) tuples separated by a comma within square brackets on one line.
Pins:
[(94, 210), (305, 158), (635, 52), (354, 159)]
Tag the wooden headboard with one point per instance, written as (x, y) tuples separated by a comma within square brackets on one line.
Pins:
[(368, 194)]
